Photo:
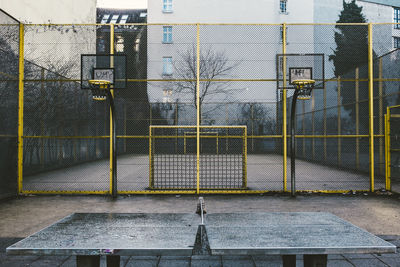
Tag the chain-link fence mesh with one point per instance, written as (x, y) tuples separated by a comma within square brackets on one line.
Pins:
[(9, 57), (236, 70), (65, 133), (394, 148)]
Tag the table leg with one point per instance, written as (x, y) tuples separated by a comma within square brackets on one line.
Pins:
[(113, 260), (87, 261), (289, 260), (315, 260)]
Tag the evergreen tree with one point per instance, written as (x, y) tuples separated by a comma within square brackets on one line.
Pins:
[(351, 41), (351, 53)]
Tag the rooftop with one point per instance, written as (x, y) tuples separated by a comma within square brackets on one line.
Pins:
[(393, 3)]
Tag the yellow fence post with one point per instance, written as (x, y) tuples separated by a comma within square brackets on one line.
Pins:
[(244, 157), (371, 107), (303, 125), (380, 115), (357, 92), (284, 115), (20, 107), (198, 108), (325, 126), (313, 123), (111, 116), (42, 95), (252, 127), (125, 126), (151, 160), (339, 122), (387, 150)]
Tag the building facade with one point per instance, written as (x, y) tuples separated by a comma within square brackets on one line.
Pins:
[(167, 43), (169, 46), (48, 11), (58, 47)]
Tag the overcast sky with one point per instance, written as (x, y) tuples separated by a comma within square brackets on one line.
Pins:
[(122, 3)]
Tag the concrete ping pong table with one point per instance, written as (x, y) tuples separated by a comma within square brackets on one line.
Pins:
[(90, 235)]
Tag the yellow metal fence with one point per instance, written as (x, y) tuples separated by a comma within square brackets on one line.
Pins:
[(64, 138)]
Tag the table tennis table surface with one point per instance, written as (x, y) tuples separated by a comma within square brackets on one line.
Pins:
[(263, 233)]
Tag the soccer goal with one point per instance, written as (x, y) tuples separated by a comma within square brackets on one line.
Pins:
[(222, 160)]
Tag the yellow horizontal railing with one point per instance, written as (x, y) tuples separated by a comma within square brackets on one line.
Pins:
[(194, 126), (184, 192), (65, 137), (210, 24), (188, 136), (66, 192), (216, 80)]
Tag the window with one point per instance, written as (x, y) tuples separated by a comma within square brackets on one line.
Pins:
[(167, 34), (137, 45), (283, 6), (281, 35), (105, 19), (396, 42), (396, 17), (114, 19), (102, 45), (119, 46), (167, 65), (167, 95), (124, 19), (167, 5)]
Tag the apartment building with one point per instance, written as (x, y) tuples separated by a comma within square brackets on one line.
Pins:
[(254, 47)]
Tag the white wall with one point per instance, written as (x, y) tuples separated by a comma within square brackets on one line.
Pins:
[(53, 11), (243, 43), (382, 34), (228, 11), (254, 47), (57, 47)]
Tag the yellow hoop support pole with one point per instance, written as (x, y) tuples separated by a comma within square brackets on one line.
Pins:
[(20, 107), (284, 114), (371, 109), (198, 110)]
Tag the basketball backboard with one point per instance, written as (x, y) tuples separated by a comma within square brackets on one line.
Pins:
[(300, 66), (107, 67)]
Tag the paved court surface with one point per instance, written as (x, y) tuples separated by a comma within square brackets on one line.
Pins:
[(264, 172)]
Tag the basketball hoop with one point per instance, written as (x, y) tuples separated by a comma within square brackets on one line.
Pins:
[(304, 88), (99, 88)]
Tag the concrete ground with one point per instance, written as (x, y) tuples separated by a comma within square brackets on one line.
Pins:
[(379, 214), (264, 172)]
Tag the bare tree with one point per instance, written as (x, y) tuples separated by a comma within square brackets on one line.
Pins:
[(258, 117), (214, 65), (260, 120)]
